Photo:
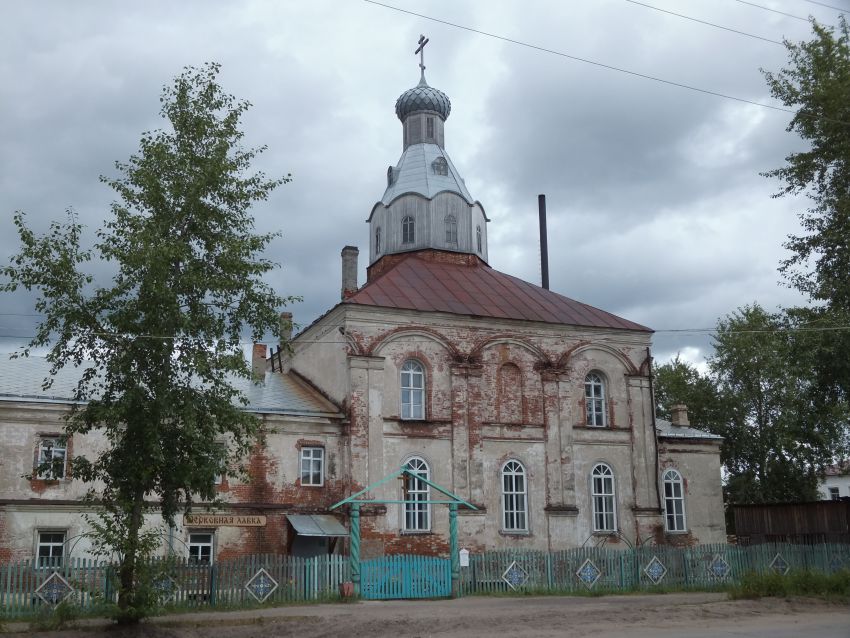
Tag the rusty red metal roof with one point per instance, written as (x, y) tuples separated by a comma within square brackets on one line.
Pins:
[(416, 282)]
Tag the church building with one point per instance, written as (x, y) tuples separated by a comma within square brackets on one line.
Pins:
[(533, 407)]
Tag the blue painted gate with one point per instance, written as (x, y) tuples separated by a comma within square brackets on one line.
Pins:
[(405, 576)]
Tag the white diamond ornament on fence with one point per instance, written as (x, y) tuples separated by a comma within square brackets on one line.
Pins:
[(655, 570), (54, 589), (166, 588), (588, 573), (261, 585), (718, 567), (779, 565), (515, 576)]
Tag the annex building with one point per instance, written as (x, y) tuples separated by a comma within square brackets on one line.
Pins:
[(535, 408)]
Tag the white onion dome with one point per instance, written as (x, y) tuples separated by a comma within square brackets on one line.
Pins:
[(422, 98)]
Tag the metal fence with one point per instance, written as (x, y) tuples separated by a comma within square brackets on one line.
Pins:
[(699, 567), (27, 588)]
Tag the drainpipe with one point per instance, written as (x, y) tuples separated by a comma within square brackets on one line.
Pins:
[(654, 428)]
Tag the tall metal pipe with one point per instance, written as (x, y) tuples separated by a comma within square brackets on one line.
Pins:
[(544, 242)]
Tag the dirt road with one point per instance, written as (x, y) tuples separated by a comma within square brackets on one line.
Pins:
[(650, 616)]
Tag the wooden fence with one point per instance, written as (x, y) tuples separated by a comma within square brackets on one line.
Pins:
[(700, 567), (26, 588)]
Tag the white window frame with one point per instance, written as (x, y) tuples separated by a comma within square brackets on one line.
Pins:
[(412, 396), (603, 498), (54, 446), (595, 400), (54, 559), (312, 457), (196, 542), (834, 493), (451, 230), (673, 489), (514, 482), (416, 516), (408, 230)]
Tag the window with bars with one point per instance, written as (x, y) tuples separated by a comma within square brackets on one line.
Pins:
[(412, 390), (52, 457), (200, 548), (594, 399), (51, 549), (514, 498), (674, 501), (408, 234), (417, 512), (451, 230), (602, 498), (312, 466)]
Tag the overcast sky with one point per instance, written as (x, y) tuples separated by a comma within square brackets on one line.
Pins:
[(656, 208)]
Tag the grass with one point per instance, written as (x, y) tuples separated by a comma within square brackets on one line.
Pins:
[(834, 586)]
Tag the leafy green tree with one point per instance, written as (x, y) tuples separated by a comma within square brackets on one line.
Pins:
[(817, 84), (679, 382), (161, 343), (779, 434)]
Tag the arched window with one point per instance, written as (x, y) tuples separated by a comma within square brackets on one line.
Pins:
[(407, 235), (514, 498), (412, 390), (378, 240), (602, 497), (674, 501), (451, 230), (417, 512), (594, 399), (478, 238), (440, 166), (390, 176)]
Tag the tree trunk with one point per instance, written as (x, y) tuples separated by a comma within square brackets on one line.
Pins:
[(127, 612)]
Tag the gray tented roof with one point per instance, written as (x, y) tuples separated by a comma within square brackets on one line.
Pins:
[(22, 380), (670, 431), (414, 174), (422, 98)]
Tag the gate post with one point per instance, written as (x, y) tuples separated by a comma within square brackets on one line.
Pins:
[(453, 549), (354, 556)]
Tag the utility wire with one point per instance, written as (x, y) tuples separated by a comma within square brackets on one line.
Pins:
[(761, 6), (608, 66), (710, 24), (828, 6)]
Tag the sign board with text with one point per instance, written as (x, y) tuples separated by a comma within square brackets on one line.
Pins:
[(224, 520)]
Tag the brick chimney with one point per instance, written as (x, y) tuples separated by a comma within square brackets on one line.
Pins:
[(349, 271), (679, 415), (285, 328), (258, 361)]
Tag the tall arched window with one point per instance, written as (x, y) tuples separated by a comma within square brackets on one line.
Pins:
[(378, 240), (417, 512), (594, 399), (407, 230), (451, 230), (478, 237), (514, 498), (674, 501), (602, 497), (412, 390)]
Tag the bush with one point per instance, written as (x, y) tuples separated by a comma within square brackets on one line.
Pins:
[(795, 583)]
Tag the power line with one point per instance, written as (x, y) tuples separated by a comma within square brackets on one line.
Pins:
[(828, 6), (593, 62), (710, 24), (760, 6)]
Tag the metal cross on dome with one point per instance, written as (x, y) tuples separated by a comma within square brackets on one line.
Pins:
[(421, 51)]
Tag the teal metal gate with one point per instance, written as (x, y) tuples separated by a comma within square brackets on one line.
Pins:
[(406, 577)]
